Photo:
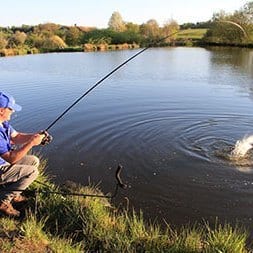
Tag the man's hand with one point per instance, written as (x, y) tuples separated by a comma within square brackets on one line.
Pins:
[(47, 138), (28, 141), (37, 139)]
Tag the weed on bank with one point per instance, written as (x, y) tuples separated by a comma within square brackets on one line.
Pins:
[(61, 223)]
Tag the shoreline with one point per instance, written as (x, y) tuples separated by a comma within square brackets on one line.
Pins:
[(61, 223), (117, 47)]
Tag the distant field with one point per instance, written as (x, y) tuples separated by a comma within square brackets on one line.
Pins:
[(251, 36), (191, 34)]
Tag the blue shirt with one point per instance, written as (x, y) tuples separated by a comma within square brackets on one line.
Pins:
[(5, 139)]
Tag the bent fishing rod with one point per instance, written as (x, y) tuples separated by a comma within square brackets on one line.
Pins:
[(121, 65), (47, 137), (105, 77)]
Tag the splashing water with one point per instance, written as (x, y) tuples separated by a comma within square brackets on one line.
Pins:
[(242, 147)]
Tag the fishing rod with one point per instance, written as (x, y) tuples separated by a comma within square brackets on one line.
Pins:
[(63, 193), (119, 183), (124, 63), (48, 137), (235, 24), (76, 194), (104, 78)]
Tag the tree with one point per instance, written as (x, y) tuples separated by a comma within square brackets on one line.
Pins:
[(34, 40), (73, 36), (116, 22), (131, 27), (231, 28), (3, 41), (47, 29), (17, 39), (219, 16), (170, 27), (98, 35), (151, 29), (248, 11), (54, 42)]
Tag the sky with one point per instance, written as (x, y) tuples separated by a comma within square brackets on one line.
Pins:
[(96, 13)]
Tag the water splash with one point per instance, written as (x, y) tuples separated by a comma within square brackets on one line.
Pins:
[(239, 155), (242, 147)]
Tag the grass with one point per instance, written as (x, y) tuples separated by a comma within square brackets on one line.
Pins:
[(226, 239), (195, 34), (251, 36), (75, 224)]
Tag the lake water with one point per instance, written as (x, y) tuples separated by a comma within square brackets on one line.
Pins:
[(170, 117)]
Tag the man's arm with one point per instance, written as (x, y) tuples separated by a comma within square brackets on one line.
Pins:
[(15, 155), (20, 138)]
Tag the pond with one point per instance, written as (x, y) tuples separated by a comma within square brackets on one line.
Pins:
[(170, 117)]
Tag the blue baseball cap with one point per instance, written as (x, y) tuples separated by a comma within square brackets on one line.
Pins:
[(8, 101)]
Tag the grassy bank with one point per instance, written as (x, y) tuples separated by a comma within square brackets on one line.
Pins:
[(194, 34), (76, 224)]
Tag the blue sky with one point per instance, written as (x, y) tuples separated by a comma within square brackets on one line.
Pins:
[(97, 13)]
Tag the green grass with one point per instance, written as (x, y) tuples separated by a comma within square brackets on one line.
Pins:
[(191, 34), (77, 224), (226, 239), (251, 36)]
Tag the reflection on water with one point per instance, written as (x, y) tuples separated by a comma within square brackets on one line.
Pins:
[(171, 117), (237, 57)]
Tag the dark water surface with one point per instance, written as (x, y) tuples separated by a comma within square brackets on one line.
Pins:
[(164, 116)]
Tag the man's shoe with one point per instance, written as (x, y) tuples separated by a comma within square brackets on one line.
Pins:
[(7, 208), (19, 198)]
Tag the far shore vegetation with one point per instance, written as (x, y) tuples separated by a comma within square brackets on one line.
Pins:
[(60, 223), (224, 29), (71, 224)]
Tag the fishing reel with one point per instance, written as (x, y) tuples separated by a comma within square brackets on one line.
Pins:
[(47, 138)]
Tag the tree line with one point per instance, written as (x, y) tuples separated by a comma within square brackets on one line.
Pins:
[(49, 36), (235, 28)]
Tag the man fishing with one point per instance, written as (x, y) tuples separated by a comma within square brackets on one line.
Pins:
[(17, 169)]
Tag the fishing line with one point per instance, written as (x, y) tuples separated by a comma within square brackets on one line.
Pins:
[(108, 75), (120, 66), (105, 77)]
